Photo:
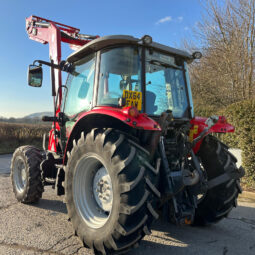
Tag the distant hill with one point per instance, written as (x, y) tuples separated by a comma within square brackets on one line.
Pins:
[(31, 118), (37, 115)]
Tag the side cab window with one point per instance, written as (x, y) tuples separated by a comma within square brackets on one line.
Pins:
[(80, 82)]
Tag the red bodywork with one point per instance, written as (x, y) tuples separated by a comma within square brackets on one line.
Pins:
[(198, 125), (142, 121), (52, 142)]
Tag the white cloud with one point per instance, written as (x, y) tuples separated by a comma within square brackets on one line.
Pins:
[(163, 20), (180, 18), (186, 28)]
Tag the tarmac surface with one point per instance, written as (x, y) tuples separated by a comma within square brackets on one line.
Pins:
[(43, 228)]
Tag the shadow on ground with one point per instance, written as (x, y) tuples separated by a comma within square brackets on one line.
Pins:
[(225, 237), (51, 205)]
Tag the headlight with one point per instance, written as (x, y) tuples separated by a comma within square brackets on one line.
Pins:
[(197, 55)]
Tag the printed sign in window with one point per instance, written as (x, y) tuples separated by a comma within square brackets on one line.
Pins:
[(133, 98)]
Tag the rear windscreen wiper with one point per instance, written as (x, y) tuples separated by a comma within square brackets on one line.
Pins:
[(160, 63)]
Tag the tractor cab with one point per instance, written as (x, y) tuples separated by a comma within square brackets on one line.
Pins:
[(122, 71)]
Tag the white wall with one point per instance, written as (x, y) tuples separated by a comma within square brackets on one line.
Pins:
[(237, 154)]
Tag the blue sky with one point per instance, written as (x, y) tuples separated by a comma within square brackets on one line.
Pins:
[(167, 21)]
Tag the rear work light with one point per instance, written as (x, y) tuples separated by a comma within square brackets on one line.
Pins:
[(133, 112), (222, 119)]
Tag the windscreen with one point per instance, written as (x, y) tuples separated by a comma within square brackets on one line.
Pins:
[(79, 93)]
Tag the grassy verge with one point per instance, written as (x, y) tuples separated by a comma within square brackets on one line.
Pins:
[(15, 135)]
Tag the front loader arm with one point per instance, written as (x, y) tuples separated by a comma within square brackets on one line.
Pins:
[(53, 33)]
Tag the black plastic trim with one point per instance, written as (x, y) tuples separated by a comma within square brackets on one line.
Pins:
[(112, 40)]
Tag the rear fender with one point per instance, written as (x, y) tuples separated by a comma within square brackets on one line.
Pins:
[(198, 125), (108, 117)]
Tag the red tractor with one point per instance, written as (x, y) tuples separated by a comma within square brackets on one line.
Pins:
[(125, 145)]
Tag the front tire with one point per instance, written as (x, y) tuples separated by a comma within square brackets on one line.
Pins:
[(26, 174), (110, 191), (217, 203)]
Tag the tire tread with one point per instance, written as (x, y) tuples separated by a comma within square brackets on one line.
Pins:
[(126, 157), (218, 201), (33, 192)]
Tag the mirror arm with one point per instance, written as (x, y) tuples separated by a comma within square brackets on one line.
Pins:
[(42, 62), (63, 66)]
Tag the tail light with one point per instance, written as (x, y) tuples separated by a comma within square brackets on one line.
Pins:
[(133, 112)]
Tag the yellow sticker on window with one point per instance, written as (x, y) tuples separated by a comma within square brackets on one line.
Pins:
[(133, 98)]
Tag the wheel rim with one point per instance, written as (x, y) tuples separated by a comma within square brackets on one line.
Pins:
[(19, 174), (92, 190)]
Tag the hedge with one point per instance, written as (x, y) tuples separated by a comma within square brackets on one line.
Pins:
[(242, 116)]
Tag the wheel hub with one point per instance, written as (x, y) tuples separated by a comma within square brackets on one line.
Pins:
[(23, 174), (92, 190), (102, 189), (20, 175)]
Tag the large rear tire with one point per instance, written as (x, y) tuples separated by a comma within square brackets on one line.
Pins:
[(220, 200), (110, 191), (26, 174)]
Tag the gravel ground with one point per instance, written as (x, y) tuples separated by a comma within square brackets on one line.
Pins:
[(43, 228)]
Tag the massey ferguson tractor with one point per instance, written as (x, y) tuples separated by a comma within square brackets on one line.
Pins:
[(125, 147)]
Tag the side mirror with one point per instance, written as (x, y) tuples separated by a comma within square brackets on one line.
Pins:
[(35, 75)]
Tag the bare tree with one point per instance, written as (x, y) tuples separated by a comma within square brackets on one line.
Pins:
[(226, 72)]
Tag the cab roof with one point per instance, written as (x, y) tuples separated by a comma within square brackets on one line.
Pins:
[(111, 40)]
